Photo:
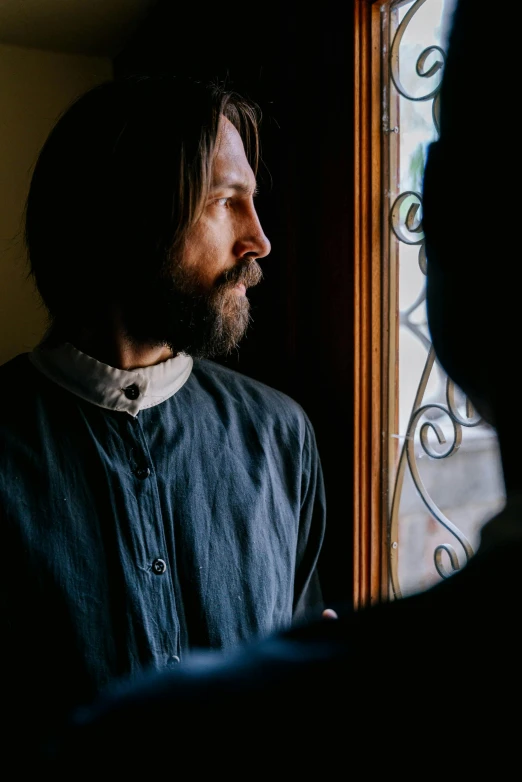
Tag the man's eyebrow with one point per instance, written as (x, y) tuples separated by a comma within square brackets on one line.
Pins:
[(240, 187)]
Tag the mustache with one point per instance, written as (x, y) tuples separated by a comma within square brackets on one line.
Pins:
[(247, 273)]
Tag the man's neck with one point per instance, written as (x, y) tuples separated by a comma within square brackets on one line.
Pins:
[(110, 344), (123, 354)]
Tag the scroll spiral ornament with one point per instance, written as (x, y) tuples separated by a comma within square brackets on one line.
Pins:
[(422, 68)]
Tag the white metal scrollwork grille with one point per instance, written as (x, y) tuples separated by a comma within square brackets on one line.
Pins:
[(445, 478)]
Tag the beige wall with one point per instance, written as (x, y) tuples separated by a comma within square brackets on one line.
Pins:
[(35, 87)]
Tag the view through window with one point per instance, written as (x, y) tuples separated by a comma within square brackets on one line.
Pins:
[(444, 475)]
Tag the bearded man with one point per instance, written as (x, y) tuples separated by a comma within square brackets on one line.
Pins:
[(151, 500)]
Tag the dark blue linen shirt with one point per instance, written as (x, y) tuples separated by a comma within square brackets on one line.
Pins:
[(129, 540)]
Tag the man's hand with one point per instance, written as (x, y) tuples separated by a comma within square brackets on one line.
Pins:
[(329, 613)]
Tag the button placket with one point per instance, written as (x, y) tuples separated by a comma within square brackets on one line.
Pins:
[(155, 549), (138, 462)]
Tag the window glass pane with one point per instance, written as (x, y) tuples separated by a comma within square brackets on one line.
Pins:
[(445, 476)]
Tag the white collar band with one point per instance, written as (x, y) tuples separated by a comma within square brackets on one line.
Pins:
[(105, 386)]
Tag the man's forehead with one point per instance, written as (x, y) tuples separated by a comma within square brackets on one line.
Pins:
[(228, 135), (230, 166)]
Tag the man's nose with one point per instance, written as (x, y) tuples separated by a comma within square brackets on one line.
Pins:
[(265, 245), (253, 242)]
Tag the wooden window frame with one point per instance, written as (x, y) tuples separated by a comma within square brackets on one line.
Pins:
[(371, 313)]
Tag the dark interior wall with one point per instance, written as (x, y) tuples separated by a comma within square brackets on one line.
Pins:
[(297, 65)]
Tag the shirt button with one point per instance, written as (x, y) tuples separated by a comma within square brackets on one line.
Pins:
[(132, 392), (141, 472), (159, 566)]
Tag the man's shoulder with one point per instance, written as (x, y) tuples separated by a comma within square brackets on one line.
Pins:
[(233, 384)]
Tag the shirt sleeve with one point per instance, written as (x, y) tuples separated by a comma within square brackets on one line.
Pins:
[(308, 600)]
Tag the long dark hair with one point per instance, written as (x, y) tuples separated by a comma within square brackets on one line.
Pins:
[(118, 184)]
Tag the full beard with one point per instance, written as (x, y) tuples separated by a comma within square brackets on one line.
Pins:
[(173, 310)]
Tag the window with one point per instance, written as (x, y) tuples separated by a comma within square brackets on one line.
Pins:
[(434, 474)]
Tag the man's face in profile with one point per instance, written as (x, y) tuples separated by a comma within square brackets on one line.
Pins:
[(199, 304)]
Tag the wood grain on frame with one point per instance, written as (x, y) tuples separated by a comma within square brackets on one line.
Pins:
[(370, 313)]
